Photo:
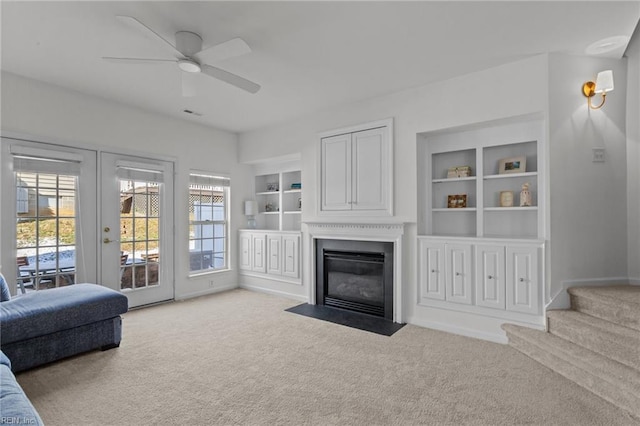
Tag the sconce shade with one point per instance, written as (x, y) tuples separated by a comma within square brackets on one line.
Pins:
[(604, 81), (250, 207), (602, 85)]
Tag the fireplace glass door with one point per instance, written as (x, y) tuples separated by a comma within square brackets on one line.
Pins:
[(355, 281)]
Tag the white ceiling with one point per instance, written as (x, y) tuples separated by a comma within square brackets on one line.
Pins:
[(307, 56)]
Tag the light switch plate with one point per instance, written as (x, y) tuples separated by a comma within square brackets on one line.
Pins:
[(598, 155)]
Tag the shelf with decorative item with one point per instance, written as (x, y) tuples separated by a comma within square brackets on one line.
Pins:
[(457, 209), (451, 180), (511, 175)]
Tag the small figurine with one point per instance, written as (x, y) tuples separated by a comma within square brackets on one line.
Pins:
[(525, 196)]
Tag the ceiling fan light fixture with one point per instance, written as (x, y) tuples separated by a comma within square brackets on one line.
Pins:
[(188, 65)]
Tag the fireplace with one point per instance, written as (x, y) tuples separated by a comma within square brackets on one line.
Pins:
[(355, 276)]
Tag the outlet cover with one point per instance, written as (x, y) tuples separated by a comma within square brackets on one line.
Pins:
[(598, 155)]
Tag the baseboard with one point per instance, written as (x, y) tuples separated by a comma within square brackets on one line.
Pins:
[(206, 292), (274, 292), (561, 299), (498, 337), (634, 281)]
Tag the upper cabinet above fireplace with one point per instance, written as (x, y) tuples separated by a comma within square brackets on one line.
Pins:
[(356, 170)]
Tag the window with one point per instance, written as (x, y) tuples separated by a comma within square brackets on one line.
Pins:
[(46, 220), (208, 223)]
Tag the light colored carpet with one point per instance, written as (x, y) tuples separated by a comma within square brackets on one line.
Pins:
[(238, 358)]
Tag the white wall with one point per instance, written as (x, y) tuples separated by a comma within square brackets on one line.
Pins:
[(47, 113), (483, 96), (633, 155), (588, 200)]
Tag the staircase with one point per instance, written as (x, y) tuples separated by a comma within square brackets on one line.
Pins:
[(596, 343)]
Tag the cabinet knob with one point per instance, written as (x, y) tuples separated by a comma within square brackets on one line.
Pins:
[(490, 277), (434, 271), (458, 274), (521, 280)]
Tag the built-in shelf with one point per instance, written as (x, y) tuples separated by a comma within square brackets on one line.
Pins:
[(511, 175), (485, 151), (279, 196), (462, 179), (510, 209), (458, 210)]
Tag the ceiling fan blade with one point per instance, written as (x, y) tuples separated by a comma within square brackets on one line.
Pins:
[(189, 84), (139, 26), (228, 49), (227, 77), (137, 60)]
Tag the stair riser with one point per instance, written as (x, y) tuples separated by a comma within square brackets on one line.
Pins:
[(625, 351), (629, 401), (617, 313)]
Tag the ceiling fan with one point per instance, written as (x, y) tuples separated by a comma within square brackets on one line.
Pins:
[(189, 56)]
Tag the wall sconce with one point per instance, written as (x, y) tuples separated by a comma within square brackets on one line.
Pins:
[(603, 84)]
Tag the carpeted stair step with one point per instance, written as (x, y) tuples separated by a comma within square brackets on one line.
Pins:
[(619, 304), (615, 382), (614, 341)]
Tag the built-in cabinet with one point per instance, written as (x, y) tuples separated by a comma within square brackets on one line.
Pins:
[(271, 251), (490, 275), (356, 170), (480, 249), (270, 254)]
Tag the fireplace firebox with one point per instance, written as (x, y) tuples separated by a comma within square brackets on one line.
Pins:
[(355, 275)]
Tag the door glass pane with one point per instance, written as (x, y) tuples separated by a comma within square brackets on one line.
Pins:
[(139, 234), (46, 230)]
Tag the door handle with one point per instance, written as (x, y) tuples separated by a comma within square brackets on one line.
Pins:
[(107, 241)]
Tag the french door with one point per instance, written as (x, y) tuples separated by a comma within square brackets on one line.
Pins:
[(73, 215), (136, 227)]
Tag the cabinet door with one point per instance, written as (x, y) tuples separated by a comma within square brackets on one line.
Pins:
[(274, 255), (431, 272), (291, 256), (369, 174), (245, 251), (523, 289), (258, 253), (458, 273), (336, 173), (490, 276)]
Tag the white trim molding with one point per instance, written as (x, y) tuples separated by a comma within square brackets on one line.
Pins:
[(385, 232)]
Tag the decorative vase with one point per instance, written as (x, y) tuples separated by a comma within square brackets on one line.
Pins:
[(525, 196)]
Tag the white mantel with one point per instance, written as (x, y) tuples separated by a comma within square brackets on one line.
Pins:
[(385, 232)]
